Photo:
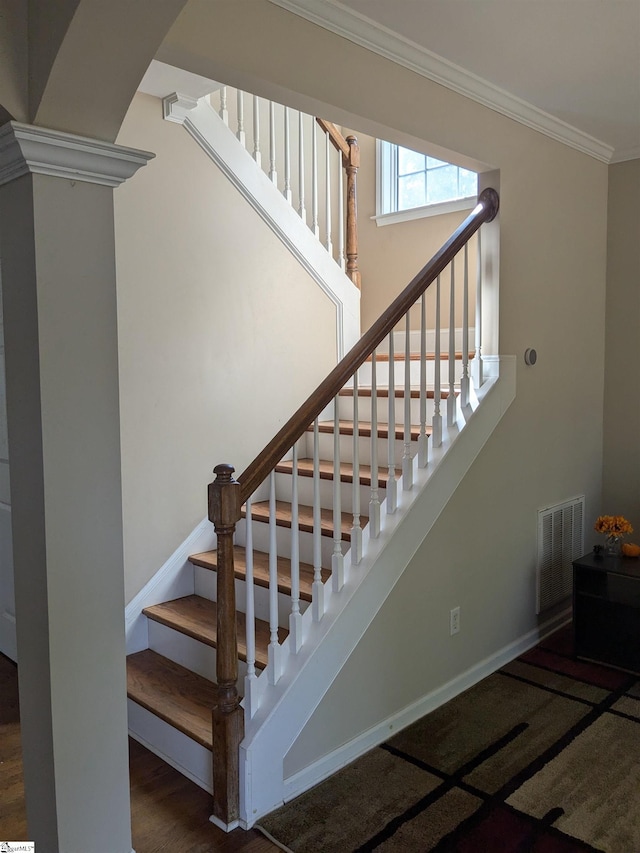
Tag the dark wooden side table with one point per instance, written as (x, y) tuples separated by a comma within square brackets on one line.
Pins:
[(606, 610)]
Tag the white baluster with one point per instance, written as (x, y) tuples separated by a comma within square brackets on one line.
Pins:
[(273, 174), (423, 443), (250, 678), (287, 156), (328, 243), (374, 501), (314, 181), (451, 398), (275, 650), (342, 258), (436, 431), (392, 485), (224, 112), (356, 529), (407, 462), (337, 558), (257, 156), (318, 587), (464, 380), (295, 617), (478, 372), (240, 132), (301, 208)]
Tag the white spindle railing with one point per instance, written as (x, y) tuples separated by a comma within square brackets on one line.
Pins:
[(407, 462), (464, 379), (294, 150), (423, 443), (254, 688), (451, 394), (251, 675), (295, 617), (356, 529), (337, 558), (477, 361), (374, 503), (318, 586), (436, 423), (275, 656)]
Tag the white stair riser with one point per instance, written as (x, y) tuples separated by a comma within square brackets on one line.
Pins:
[(345, 407), (205, 586), (283, 543), (325, 448), (305, 492), (382, 373)]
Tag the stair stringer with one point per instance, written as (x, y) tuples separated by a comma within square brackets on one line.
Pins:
[(206, 127), (287, 706)]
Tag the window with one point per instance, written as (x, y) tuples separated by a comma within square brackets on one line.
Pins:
[(423, 185)]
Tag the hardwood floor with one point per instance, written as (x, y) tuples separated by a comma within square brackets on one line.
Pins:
[(168, 812)]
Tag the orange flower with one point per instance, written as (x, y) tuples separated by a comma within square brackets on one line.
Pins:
[(613, 525)]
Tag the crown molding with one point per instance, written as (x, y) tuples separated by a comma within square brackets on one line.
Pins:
[(26, 149), (621, 155), (361, 30)]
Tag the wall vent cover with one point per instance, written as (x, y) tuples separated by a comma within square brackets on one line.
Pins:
[(560, 542)]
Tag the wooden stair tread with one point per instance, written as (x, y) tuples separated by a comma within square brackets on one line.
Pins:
[(209, 560), (364, 429), (197, 618), (260, 512), (414, 393), (175, 694), (305, 469)]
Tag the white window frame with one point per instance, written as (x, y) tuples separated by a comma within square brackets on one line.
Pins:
[(387, 192)]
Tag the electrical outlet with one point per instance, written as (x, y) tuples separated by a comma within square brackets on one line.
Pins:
[(454, 621)]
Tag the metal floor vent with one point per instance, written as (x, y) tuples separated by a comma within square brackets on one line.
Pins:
[(560, 541)]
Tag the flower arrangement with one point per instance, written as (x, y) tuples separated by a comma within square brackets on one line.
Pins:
[(613, 526)]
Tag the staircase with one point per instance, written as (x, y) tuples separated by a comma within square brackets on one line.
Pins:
[(241, 653)]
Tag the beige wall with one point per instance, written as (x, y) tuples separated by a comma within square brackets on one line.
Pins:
[(621, 477), (391, 255), (548, 448), (213, 317)]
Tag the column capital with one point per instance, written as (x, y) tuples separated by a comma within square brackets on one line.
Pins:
[(26, 149)]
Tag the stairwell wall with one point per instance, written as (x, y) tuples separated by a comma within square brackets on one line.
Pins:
[(221, 336), (621, 476)]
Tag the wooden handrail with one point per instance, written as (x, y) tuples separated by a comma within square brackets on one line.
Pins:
[(265, 462), (338, 140)]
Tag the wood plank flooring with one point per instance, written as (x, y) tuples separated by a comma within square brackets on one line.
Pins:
[(169, 814)]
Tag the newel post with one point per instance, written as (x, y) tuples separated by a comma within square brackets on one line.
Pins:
[(228, 716), (351, 165)]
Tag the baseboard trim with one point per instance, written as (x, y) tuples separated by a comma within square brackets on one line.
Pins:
[(173, 580), (329, 764)]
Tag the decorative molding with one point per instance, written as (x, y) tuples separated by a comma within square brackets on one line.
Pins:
[(26, 149), (624, 154), (219, 143), (345, 754), (361, 30)]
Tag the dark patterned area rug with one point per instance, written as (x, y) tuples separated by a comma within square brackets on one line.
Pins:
[(541, 757)]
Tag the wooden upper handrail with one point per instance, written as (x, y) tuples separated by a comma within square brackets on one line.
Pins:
[(338, 140), (265, 462)]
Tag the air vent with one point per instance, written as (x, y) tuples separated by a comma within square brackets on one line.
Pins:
[(560, 541)]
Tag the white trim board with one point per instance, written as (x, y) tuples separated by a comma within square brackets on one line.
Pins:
[(329, 764), (361, 30)]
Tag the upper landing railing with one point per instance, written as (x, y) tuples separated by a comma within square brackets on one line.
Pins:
[(309, 160), (227, 496)]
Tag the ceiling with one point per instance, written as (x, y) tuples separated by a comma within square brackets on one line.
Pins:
[(567, 67)]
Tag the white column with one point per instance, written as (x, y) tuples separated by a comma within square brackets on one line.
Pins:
[(59, 290)]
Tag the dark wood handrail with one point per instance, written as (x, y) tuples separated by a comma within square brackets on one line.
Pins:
[(265, 462)]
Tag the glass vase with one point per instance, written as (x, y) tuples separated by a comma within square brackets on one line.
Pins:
[(612, 546)]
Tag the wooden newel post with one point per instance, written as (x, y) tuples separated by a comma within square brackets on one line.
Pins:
[(351, 165), (228, 716)]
